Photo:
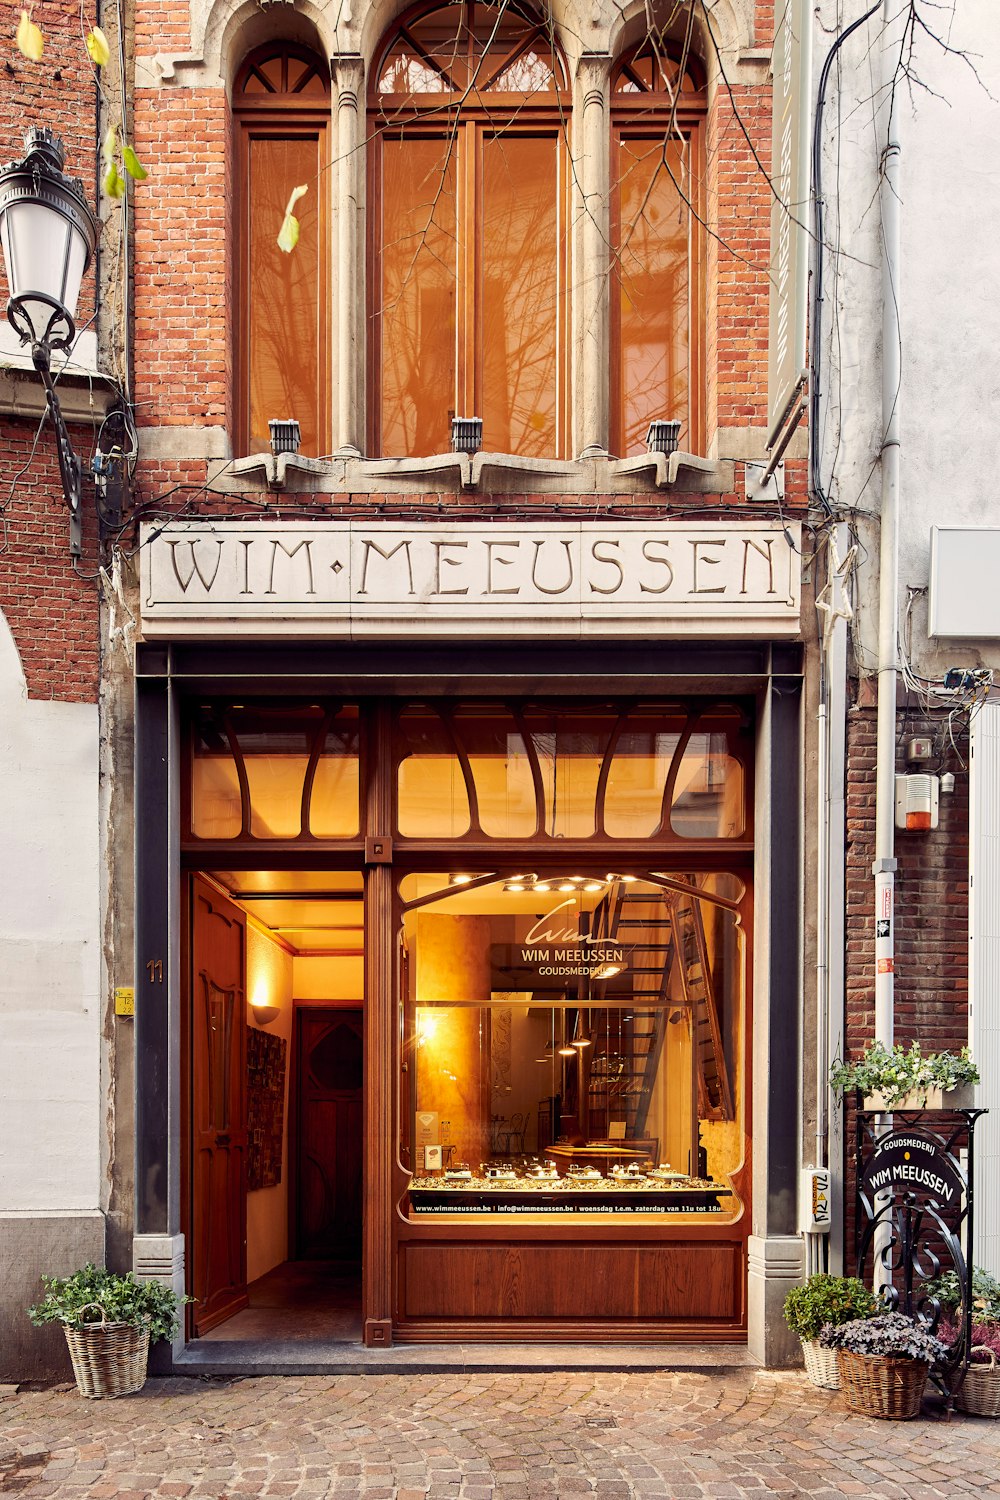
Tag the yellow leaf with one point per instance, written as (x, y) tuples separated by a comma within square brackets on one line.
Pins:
[(109, 146), (288, 234), (29, 38), (97, 46), (114, 185), (133, 165)]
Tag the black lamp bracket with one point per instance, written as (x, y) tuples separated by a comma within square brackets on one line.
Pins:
[(59, 334)]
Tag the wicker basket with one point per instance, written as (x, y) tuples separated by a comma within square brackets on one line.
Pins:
[(879, 1387), (980, 1392), (821, 1365), (109, 1359)]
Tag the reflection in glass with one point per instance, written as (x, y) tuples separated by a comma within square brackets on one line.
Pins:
[(521, 332), (285, 335), (593, 1021), (419, 280), (654, 183)]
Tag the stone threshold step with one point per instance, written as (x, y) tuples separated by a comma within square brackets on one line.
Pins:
[(315, 1357)]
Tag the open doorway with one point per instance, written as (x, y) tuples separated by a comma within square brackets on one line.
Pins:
[(275, 1076)]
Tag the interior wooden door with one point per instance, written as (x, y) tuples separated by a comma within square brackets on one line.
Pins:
[(330, 1161), (218, 1107)]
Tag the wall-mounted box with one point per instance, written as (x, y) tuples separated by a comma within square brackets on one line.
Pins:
[(963, 601)]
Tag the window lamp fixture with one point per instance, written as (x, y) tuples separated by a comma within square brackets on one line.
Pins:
[(49, 233)]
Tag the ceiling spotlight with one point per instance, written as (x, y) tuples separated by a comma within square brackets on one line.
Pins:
[(567, 1051), (594, 885), (514, 885), (565, 885), (542, 885), (581, 1041), (459, 879)]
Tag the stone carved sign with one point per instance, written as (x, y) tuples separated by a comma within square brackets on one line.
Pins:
[(345, 578)]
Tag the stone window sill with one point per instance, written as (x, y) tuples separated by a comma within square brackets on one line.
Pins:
[(488, 472)]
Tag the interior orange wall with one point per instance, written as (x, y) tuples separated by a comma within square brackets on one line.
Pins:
[(269, 974), (453, 964)]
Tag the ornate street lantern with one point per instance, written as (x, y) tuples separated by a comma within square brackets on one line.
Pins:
[(48, 233)]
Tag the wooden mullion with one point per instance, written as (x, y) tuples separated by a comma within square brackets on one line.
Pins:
[(407, 36), (513, 53)]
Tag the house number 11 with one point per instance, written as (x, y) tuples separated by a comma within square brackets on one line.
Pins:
[(155, 967)]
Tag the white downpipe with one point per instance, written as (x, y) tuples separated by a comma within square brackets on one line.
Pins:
[(884, 866)]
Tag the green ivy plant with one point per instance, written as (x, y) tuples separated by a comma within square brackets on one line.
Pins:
[(123, 1299), (900, 1071), (827, 1300), (889, 1336)]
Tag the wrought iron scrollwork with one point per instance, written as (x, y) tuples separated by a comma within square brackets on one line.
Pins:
[(907, 1236)]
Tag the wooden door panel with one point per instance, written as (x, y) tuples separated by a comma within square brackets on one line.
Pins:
[(218, 1107), (330, 1167)]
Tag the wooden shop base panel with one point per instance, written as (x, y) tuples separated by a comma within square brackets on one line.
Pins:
[(566, 1292)]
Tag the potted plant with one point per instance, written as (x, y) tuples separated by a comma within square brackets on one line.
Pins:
[(903, 1078), (979, 1393), (109, 1321), (826, 1301), (884, 1363)]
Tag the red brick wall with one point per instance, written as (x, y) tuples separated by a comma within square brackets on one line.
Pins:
[(931, 926), (50, 608)]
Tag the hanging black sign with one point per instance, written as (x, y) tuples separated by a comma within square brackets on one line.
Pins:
[(911, 1161)]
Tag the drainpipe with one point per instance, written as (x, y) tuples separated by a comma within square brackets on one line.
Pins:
[(884, 866)]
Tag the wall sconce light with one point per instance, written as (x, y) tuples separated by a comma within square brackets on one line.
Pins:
[(264, 1014), (48, 233)]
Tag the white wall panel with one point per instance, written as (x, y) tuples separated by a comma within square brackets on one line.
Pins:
[(984, 973), (50, 959)]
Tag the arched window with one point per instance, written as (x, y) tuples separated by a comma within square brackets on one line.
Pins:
[(658, 111), (468, 211), (281, 104)]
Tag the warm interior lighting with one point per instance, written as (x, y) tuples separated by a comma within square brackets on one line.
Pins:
[(567, 1051), (581, 1041), (261, 1009), (608, 971), (427, 1025), (459, 879)]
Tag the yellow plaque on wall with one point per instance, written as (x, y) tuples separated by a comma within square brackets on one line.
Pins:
[(125, 1001)]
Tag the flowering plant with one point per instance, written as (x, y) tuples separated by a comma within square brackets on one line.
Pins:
[(899, 1072), (889, 1336), (985, 1335), (985, 1294)]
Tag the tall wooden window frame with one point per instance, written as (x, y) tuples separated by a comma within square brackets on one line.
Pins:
[(287, 113), (468, 118), (647, 105)]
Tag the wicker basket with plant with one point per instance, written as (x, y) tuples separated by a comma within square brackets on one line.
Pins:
[(109, 1322), (826, 1301), (884, 1363)]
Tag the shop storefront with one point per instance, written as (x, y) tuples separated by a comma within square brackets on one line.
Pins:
[(527, 896)]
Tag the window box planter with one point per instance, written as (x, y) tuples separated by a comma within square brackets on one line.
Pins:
[(962, 1097)]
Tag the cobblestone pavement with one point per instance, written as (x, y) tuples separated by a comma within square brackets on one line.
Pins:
[(483, 1437)]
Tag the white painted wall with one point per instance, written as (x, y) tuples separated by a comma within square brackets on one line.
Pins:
[(950, 316), (50, 884)]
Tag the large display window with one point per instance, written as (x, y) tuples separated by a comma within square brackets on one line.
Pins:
[(571, 1044)]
